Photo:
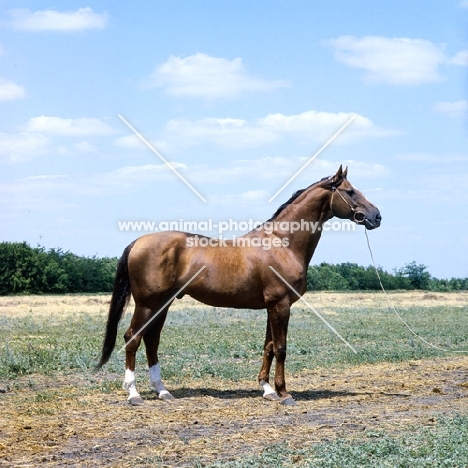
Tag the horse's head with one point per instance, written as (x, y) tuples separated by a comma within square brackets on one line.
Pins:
[(347, 202)]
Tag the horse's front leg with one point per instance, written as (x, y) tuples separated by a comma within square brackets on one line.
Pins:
[(278, 316), (264, 375)]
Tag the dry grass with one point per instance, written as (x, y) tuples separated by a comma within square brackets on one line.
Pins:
[(75, 421), (53, 305)]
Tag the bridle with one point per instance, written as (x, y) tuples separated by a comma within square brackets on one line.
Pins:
[(358, 216)]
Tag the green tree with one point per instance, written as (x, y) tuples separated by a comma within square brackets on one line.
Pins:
[(33, 270), (417, 275), (325, 277)]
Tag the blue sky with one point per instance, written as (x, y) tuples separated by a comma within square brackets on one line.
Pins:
[(237, 95)]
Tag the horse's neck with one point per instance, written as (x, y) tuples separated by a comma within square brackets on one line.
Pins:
[(312, 210)]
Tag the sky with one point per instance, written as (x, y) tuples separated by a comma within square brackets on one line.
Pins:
[(237, 96)]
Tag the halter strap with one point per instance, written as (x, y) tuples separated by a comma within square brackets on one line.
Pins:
[(353, 209)]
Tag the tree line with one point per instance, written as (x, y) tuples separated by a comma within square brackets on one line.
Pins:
[(352, 277), (36, 270)]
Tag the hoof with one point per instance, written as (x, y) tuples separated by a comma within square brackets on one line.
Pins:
[(271, 397), (288, 401), (136, 401), (166, 397)]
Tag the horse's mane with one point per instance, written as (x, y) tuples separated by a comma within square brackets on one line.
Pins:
[(294, 196)]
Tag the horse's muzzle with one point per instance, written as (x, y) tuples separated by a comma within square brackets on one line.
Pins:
[(372, 222)]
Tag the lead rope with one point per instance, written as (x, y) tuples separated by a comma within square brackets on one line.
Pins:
[(392, 307)]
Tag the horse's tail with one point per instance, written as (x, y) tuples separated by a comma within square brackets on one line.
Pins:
[(119, 300)]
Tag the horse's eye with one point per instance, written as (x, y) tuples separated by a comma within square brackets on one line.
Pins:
[(350, 192)]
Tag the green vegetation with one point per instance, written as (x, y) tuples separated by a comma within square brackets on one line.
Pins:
[(442, 446), (352, 277), (35, 270), (227, 343), (45, 346)]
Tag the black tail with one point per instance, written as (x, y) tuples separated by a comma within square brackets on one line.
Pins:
[(120, 298)]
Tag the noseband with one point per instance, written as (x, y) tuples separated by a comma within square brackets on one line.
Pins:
[(358, 216)]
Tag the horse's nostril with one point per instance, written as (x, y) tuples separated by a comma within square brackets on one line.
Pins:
[(378, 217)]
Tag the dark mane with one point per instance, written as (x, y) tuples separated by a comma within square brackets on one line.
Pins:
[(294, 196)]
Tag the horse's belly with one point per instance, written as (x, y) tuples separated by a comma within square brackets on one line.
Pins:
[(231, 299)]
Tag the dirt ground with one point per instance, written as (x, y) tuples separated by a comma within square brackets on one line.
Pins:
[(73, 423), (84, 420)]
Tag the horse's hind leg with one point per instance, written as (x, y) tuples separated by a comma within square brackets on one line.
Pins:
[(133, 340), (151, 340)]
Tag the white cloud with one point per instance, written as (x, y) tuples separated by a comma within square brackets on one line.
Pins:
[(395, 61), (129, 141), (34, 139), (18, 147), (264, 168), (242, 201), (47, 176), (10, 90), (278, 169), (435, 158), (461, 58), (146, 171), (68, 127), (452, 109), (132, 177), (310, 126), (23, 19), (135, 143), (255, 196), (319, 126), (84, 147), (366, 169), (224, 132), (201, 75)]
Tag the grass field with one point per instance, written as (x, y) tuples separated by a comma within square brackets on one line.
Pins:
[(397, 402)]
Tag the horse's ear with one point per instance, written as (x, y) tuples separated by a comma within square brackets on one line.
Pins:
[(336, 180)]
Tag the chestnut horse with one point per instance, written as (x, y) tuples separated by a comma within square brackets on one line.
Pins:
[(158, 267)]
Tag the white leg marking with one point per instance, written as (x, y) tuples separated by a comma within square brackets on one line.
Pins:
[(267, 390), (156, 382), (129, 384)]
